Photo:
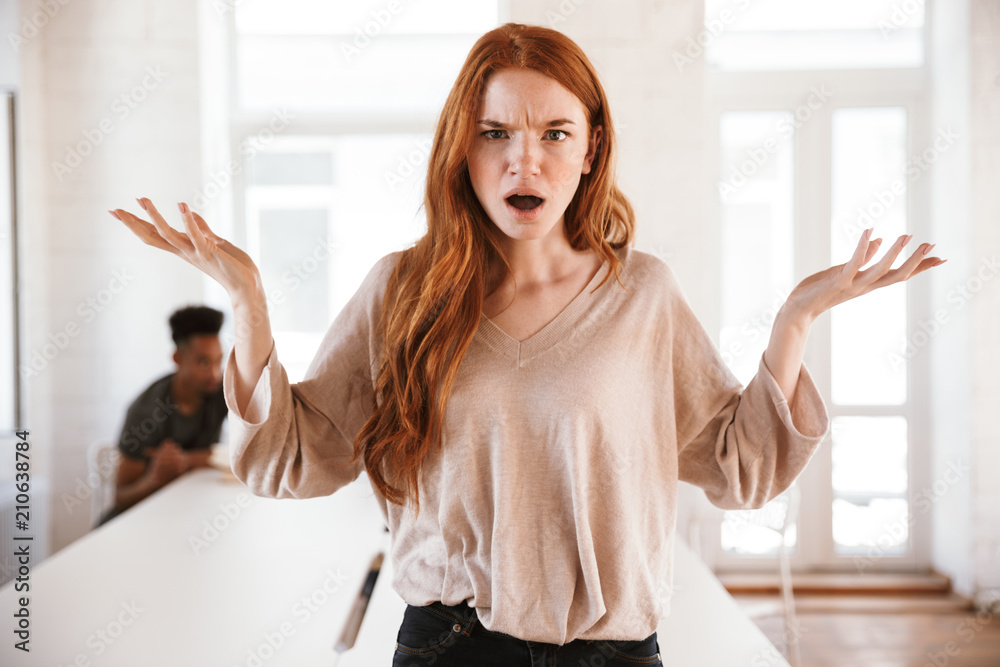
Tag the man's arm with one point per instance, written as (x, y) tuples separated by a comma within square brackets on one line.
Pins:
[(134, 482), (199, 458), (136, 479)]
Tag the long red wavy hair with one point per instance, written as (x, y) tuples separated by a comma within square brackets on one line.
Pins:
[(434, 296)]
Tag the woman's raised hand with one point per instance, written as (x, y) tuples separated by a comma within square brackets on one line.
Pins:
[(218, 258), (230, 267), (837, 284)]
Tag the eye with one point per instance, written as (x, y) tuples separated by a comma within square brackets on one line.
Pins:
[(488, 134), (557, 138)]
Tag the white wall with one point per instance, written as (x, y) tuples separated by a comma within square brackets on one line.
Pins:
[(964, 71), (75, 72), (10, 23), (984, 139), (951, 355)]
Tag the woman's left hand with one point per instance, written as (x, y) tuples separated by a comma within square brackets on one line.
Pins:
[(824, 290)]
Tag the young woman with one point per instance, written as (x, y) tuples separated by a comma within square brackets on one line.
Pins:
[(523, 388)]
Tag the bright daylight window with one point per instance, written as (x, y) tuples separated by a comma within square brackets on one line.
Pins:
[(863, 151), (369, 78)]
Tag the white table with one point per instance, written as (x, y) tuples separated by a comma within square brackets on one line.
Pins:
[(165, 591)]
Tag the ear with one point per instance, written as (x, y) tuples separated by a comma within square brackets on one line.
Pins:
[(177, 357), (595, 142)]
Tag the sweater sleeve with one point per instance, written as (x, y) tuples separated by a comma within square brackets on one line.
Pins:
[(296, 440), (740, 444)]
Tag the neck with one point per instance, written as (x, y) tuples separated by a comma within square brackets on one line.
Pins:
[(183, 394), (537, 261)]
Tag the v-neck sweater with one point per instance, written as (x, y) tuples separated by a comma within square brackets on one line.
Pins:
[(551, 505)]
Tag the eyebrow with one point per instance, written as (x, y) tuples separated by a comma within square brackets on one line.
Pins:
[(551, 123)]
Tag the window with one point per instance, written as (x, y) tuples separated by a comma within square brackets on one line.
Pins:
[(819, 113), (354, 90)]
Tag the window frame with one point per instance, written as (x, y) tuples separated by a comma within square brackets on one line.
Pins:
[(241, 125), (812, 191)]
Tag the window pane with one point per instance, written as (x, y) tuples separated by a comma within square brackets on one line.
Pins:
[(755, 192), (293, 245), (869, 189), (870, 485), (291, 169), (320, 212), (869, 455), (755, 195), (881, 524), (810, 34)]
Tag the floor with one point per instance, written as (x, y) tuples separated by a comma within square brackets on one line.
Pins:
[(861, 630)]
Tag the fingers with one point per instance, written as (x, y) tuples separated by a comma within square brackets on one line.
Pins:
[(926, 263), (872, 250), (876, 272), (916, 263), (195, 233), (146, 232), (861, 255), (175, 238), (203, 226), (911, 263)]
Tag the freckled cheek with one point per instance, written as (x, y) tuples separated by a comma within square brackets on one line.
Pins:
[(489, 165), (483, 170), (566, 178)]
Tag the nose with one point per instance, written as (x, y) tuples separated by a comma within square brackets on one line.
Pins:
[(525, 158)]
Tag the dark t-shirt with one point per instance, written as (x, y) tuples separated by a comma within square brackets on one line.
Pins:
[(154, 416)]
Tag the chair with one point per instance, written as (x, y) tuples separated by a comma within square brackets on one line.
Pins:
[(102, 472), (787, 604)]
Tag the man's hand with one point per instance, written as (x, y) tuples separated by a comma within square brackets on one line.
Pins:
[(168, 462), (198, 459)]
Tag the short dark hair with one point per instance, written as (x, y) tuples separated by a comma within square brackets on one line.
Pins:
[(194, 321)]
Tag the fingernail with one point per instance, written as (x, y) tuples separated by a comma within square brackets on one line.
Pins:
[(928, 248), (114, 214), (182, 206), (868, 233), (141, 204)]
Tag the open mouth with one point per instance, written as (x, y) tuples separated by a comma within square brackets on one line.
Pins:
[(524, 202)]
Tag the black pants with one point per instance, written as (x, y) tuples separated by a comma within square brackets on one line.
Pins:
[(452, 636)]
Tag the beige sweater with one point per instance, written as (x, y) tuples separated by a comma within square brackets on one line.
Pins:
[(552, 506)]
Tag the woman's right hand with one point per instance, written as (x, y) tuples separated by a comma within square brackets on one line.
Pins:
[(218, 258)]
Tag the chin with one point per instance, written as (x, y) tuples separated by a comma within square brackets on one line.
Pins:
[(526, 231)]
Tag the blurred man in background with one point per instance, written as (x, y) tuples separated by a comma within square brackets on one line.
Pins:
[(172, 425)]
